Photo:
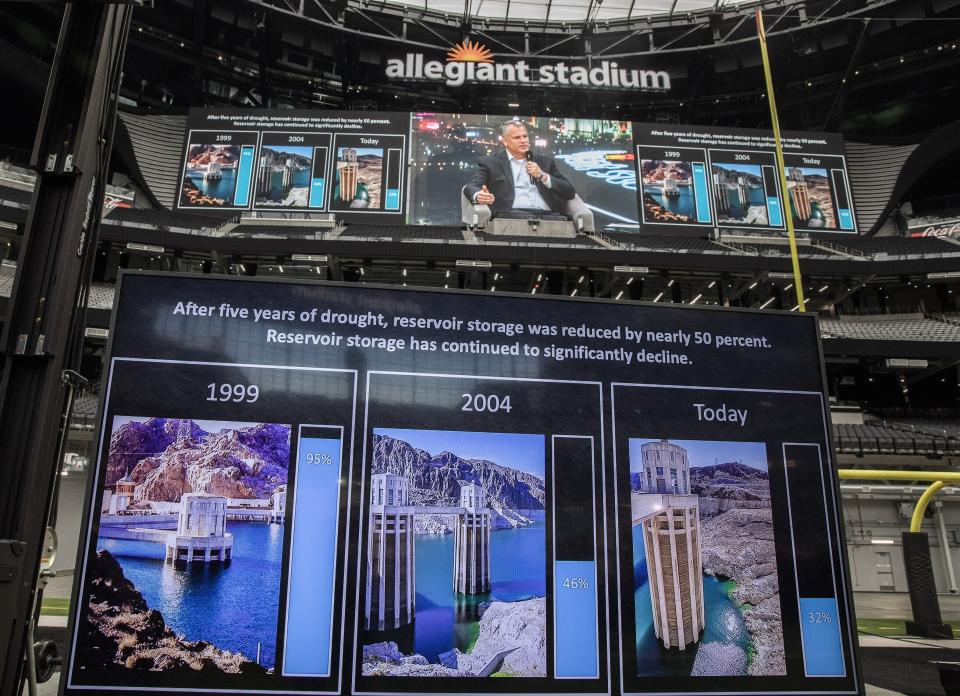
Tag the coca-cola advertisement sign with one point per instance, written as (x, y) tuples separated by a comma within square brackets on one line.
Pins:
[(947, 228)]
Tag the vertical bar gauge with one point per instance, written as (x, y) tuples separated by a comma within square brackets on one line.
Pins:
[(842, 194), (702, 191), (574, 562), (816, 589), (394, 163), (318, 177), (771, 186), (316, 504), (244, 172)]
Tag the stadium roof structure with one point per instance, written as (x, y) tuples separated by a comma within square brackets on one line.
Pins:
[(570, 11)]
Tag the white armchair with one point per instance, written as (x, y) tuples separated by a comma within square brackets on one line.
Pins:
[(475, 215)]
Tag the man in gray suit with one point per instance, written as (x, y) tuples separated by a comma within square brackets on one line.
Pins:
[(517, 180)]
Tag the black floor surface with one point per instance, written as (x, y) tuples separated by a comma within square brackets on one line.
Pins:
[(905, 670)]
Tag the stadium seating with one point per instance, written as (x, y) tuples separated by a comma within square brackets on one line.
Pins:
[(403, 233), (167, 220), (633, 241), (893, 327), (880, 437), (899, 246), (19, 197)]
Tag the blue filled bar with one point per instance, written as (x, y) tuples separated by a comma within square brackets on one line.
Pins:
[(846, 219), (244, 172), (701, 191), (575, 597), (820, 631), (316, 193), (774, 211), (393, 199), (313, 558)]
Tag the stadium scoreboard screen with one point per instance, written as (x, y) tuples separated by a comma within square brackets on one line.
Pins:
[(380, 167), (345, 489)]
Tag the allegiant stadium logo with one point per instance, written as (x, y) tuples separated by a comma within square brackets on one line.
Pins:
[(473, 62)]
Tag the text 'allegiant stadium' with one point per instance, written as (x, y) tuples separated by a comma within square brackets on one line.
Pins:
[(456, 73)]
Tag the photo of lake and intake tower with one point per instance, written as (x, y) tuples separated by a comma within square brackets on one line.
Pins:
[(190, 528), (455, 556), (706, 591)]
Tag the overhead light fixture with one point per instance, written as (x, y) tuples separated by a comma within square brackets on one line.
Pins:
[(883, 542), (657, 298), (619, 295), (94, 332), (943, 274), (310, 258), (574, 293), (469, 263), (641, 270), (767, 303), (513, 105), (779, 275), (148, 248), (694, 300)]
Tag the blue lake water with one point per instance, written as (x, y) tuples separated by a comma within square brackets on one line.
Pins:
[(755, 196), (723, 621), (234, 607), (217, 188), (301, 177), (683, 204), (446, 620)]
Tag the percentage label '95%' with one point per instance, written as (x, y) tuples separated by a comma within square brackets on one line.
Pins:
[(576, 583), (322, 458)]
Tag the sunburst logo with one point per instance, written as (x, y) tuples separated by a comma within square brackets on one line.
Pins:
[(469, 52)]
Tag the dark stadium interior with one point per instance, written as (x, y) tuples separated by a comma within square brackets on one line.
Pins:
[(882, 73)]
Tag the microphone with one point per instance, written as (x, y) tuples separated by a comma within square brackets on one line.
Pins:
[(529, 156)]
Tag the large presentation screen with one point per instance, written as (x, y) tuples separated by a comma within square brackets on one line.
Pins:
[(353, 164), (700, 177), (349, 489), (395, 168)]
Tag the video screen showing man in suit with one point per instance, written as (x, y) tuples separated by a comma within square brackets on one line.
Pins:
[(453, 152), (516, 180)]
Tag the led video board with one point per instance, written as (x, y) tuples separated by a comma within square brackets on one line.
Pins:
[(338, 488), (414, 168), (595, 156), (693, 177), (353, 164)]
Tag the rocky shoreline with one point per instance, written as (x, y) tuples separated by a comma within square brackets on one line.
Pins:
[(739, 544), (511, 642), (120, 631)]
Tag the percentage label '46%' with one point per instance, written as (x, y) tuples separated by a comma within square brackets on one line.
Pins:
[(319, 458), (576, 583)]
